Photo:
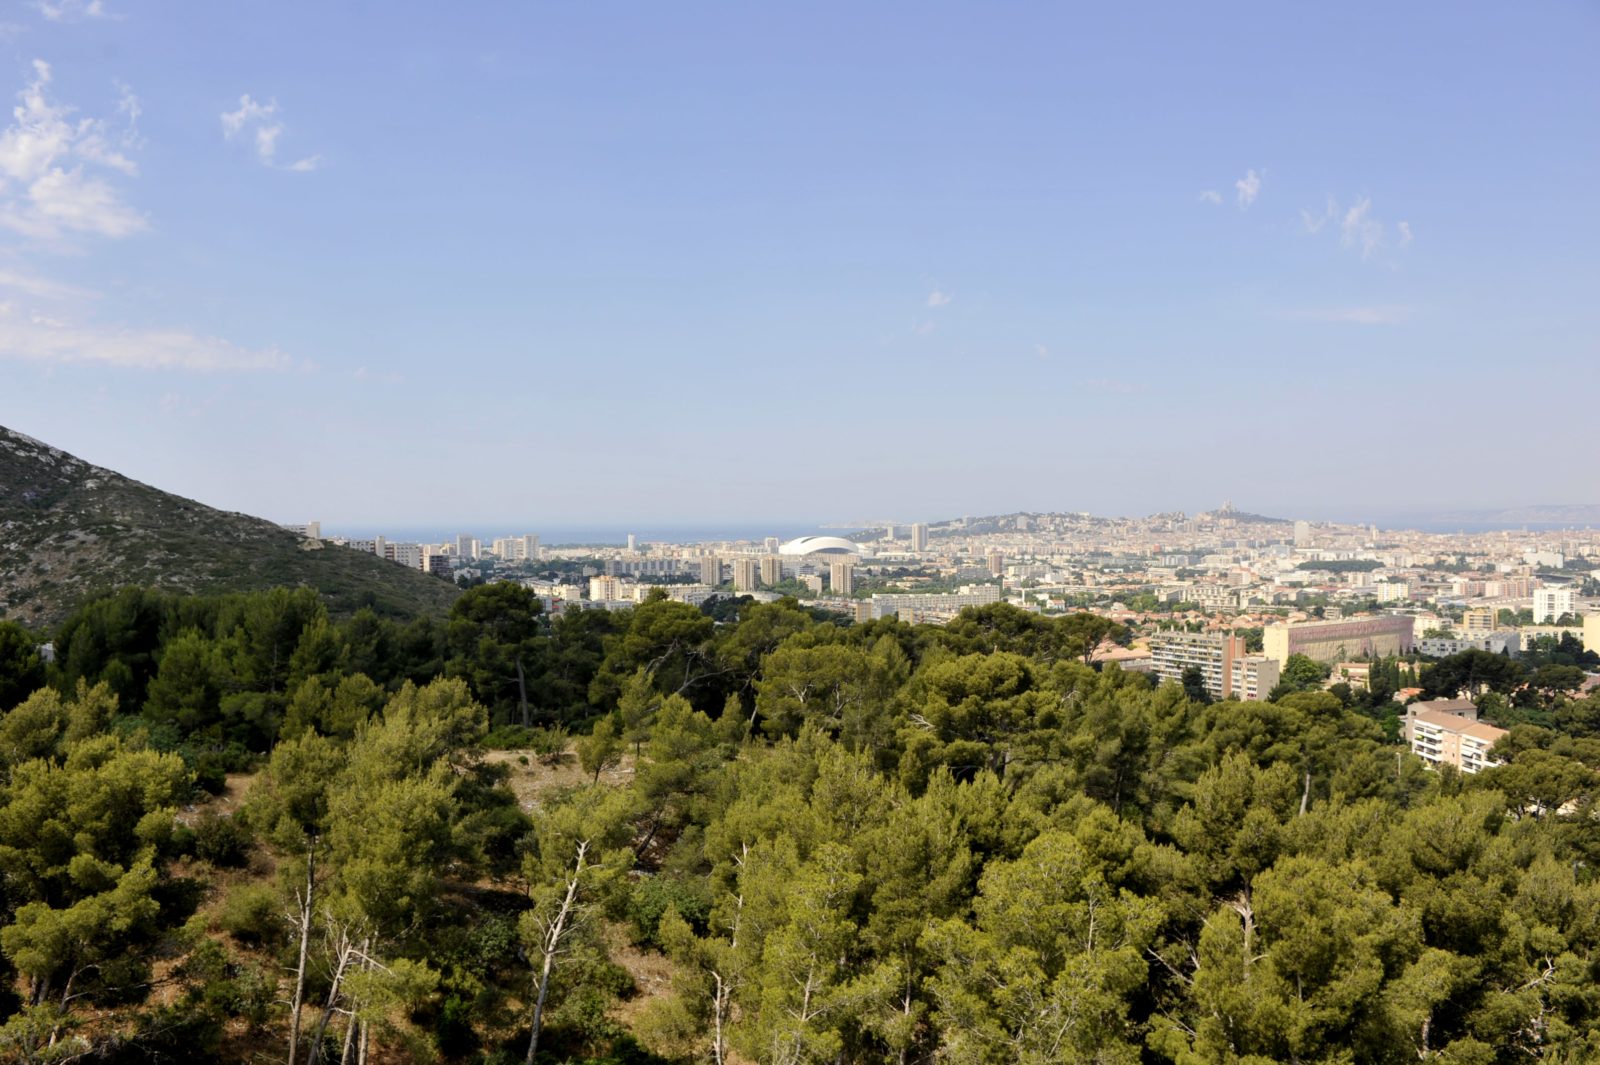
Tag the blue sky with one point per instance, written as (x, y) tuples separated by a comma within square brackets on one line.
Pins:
[(594, 263)]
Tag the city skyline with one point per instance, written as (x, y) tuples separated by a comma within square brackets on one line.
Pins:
[(701, 266)]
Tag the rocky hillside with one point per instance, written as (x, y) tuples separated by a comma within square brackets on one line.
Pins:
[(70, 531)]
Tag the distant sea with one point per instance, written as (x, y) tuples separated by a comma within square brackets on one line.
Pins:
[(556, 535), (1483, 526)]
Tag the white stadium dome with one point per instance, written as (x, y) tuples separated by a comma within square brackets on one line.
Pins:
[(820, 545)]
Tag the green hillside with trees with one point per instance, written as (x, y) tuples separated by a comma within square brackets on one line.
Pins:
[(234, 828), (70, 531)]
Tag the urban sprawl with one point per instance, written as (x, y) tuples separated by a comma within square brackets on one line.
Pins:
[(1223, 600)]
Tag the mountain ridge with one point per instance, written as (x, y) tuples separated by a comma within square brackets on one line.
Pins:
[(71, 530)]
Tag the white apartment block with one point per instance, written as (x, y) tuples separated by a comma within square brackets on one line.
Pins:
[(1448, 732), (1550, 603), (1212, 596), (934, 605), (1252, 677), (409, 555), (609, 589)]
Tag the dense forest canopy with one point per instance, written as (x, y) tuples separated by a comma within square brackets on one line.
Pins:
[(233, 828)]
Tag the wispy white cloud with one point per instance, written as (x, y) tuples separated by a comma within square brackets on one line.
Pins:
[(1211, 196), (1315, 222), (57, 169), (1041, 351), (1359, 315), (34, 337), (41, 287), (262, 121), (249, 111), (47, 187), (1359, 229), (1248, 188), (130, 109), (72, 10), (936, 298)]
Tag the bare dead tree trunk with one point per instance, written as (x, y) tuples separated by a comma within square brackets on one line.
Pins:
[(304, 898), (349, 1037), (722, 995), (345, 950), (555, 933), (1241, 905), (358, 1024), (1305, 796), (719, 1000)]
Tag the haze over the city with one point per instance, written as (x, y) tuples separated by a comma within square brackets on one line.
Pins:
[(678, 264)]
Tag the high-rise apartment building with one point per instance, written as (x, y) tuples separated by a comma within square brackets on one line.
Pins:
[(530, 548), (1229, 672), (841, 578), (409, 555), (919, 537), (1251, 678), (1302, 533), (605, 589), (711, 571), (771, 544), (1477, 621), (746, 574), (466, 546), (997, 564), (1550, 603), (633, 543), (771, 570)]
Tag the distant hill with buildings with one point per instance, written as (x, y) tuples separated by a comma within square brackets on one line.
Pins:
[(1026, 521), (70, 530)]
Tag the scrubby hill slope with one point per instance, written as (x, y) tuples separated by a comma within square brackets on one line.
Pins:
[(70, 530)]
